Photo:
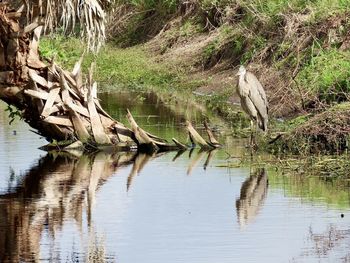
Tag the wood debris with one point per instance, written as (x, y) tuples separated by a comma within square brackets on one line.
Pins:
[(59, 104), (196, 138)]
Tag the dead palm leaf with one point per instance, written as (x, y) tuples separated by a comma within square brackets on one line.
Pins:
[(71, 16)]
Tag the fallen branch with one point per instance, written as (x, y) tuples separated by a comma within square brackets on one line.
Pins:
[(196, 138)]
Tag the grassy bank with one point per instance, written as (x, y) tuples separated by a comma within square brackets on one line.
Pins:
[(324, 132), (121, 68), (135, 69), (298, 49)]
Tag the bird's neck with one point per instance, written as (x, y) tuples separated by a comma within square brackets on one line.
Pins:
[(242, 77)]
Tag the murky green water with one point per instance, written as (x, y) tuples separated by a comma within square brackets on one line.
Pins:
[(163, 208)]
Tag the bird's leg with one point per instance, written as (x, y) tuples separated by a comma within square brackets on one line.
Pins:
[(256, 134), (251, 133)]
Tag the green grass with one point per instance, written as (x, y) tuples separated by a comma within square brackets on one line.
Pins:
[(65, 50), (295, 122), (188, 28), (126, 68), (327, 75), (132, 67), (162, 6)]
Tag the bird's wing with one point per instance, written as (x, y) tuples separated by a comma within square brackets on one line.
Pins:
[(257, 94), (242, 89), (258, 97), (256, 85), (249, 108)]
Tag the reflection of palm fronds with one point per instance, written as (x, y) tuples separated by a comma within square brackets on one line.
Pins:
[(70, 14)]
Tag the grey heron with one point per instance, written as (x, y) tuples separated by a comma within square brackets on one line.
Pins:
[(253, 99)]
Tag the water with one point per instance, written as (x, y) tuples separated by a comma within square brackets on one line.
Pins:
[(169, 207)]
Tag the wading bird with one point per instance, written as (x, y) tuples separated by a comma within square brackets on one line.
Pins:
[(253, 100)]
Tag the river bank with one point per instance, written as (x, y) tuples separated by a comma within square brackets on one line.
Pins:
[(298, 49), (141, 68)]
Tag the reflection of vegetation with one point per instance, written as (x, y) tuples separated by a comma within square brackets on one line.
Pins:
[(323, 244), (328, 240), (61, 187), (96, 251), (140, 161), (329, 167), (161, 114), (322, 179), (313, 188), (198, 157), (13, 113)]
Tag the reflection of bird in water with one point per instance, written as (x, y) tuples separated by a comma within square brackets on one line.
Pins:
[(253, 99), (252, 197)]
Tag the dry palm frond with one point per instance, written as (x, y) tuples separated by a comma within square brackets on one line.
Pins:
[(68, 14), (118, 19), (93, 20)]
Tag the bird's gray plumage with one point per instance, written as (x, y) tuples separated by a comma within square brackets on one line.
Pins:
[(253, 97)]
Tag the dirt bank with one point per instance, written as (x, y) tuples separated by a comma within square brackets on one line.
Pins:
[(299, 53)]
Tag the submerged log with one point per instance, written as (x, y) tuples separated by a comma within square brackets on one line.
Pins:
[(180, 145), (141, 136)]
